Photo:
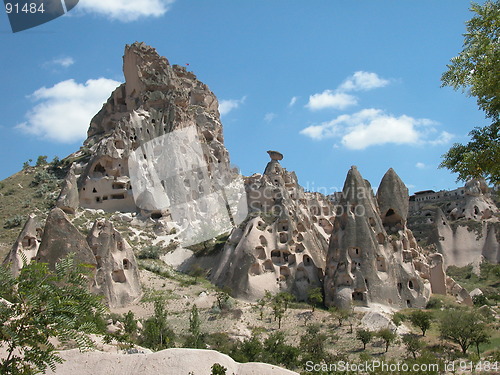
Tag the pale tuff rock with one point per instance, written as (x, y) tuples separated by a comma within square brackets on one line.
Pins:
[(68, 199), (26, 246), (155, 100), (115, 271), (117, 276), (457, 291), (165, 362), (61, 238), (371, 254), (463, 224), (392, 198), (283, 244)]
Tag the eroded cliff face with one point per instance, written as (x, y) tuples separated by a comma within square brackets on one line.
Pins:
[(155, 100), (463, 225), (156, 149), (372, 254), (282, 245)]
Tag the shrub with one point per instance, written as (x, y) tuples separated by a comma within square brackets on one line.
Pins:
[(364, 336), (421, 319), (150, 252), (13, 222)]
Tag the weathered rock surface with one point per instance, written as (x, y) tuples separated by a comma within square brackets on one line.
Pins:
[(61, 238), (463, 224), (116, 273), (117, 276), (282, 245), (165, 362), (371, 253), (68, 199), (26, 246), (155, 100)]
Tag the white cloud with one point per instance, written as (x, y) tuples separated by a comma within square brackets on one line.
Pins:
[(443, 138), (269, 117), (331, 99), (64, 111), (362, 81), (63, 61), (226, 106), (370, 127), (339, 98), (126, 10), (420, 165), (293, 101)]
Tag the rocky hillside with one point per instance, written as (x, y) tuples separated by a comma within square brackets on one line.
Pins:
[(463, 224)]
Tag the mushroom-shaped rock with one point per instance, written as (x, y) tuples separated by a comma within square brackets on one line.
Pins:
[(275, 155)]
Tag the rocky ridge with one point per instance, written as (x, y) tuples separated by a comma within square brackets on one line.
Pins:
[(156, 151)]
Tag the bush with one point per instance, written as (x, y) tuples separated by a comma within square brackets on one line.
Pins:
[(364, 336), (13, 222), (41, 161), (421, 319), (150, 252)]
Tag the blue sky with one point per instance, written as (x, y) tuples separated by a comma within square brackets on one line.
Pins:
[(329, 84)]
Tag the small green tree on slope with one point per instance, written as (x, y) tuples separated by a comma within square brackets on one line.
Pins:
[(40, 304)]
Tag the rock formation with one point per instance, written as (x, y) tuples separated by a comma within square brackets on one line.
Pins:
[(68, 199), (165, 362), (155, 100), (463, 224), (61, 238), (26, 246), (371, 253), (282, 245), (117, 276)]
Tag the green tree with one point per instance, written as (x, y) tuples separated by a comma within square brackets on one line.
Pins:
[(276, 351), (41, 304), (286, 298), (421, 319), (312, 344), (196, 338), (388, 336), (41, 161), (218, 369), (249, 350), (476, 69), (156, 334), (315, 297), (130, 325), (412, 344), (339, 314), (463, 328), (365, 336), (222, 297), (398, 318), (278, 307)]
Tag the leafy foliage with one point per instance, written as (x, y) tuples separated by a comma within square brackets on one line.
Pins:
[(421, 319), (43, 304), (388, 336), (464, 328), (315, 297), (157, 335), (477, 68), (479, 158), (365, 336)]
